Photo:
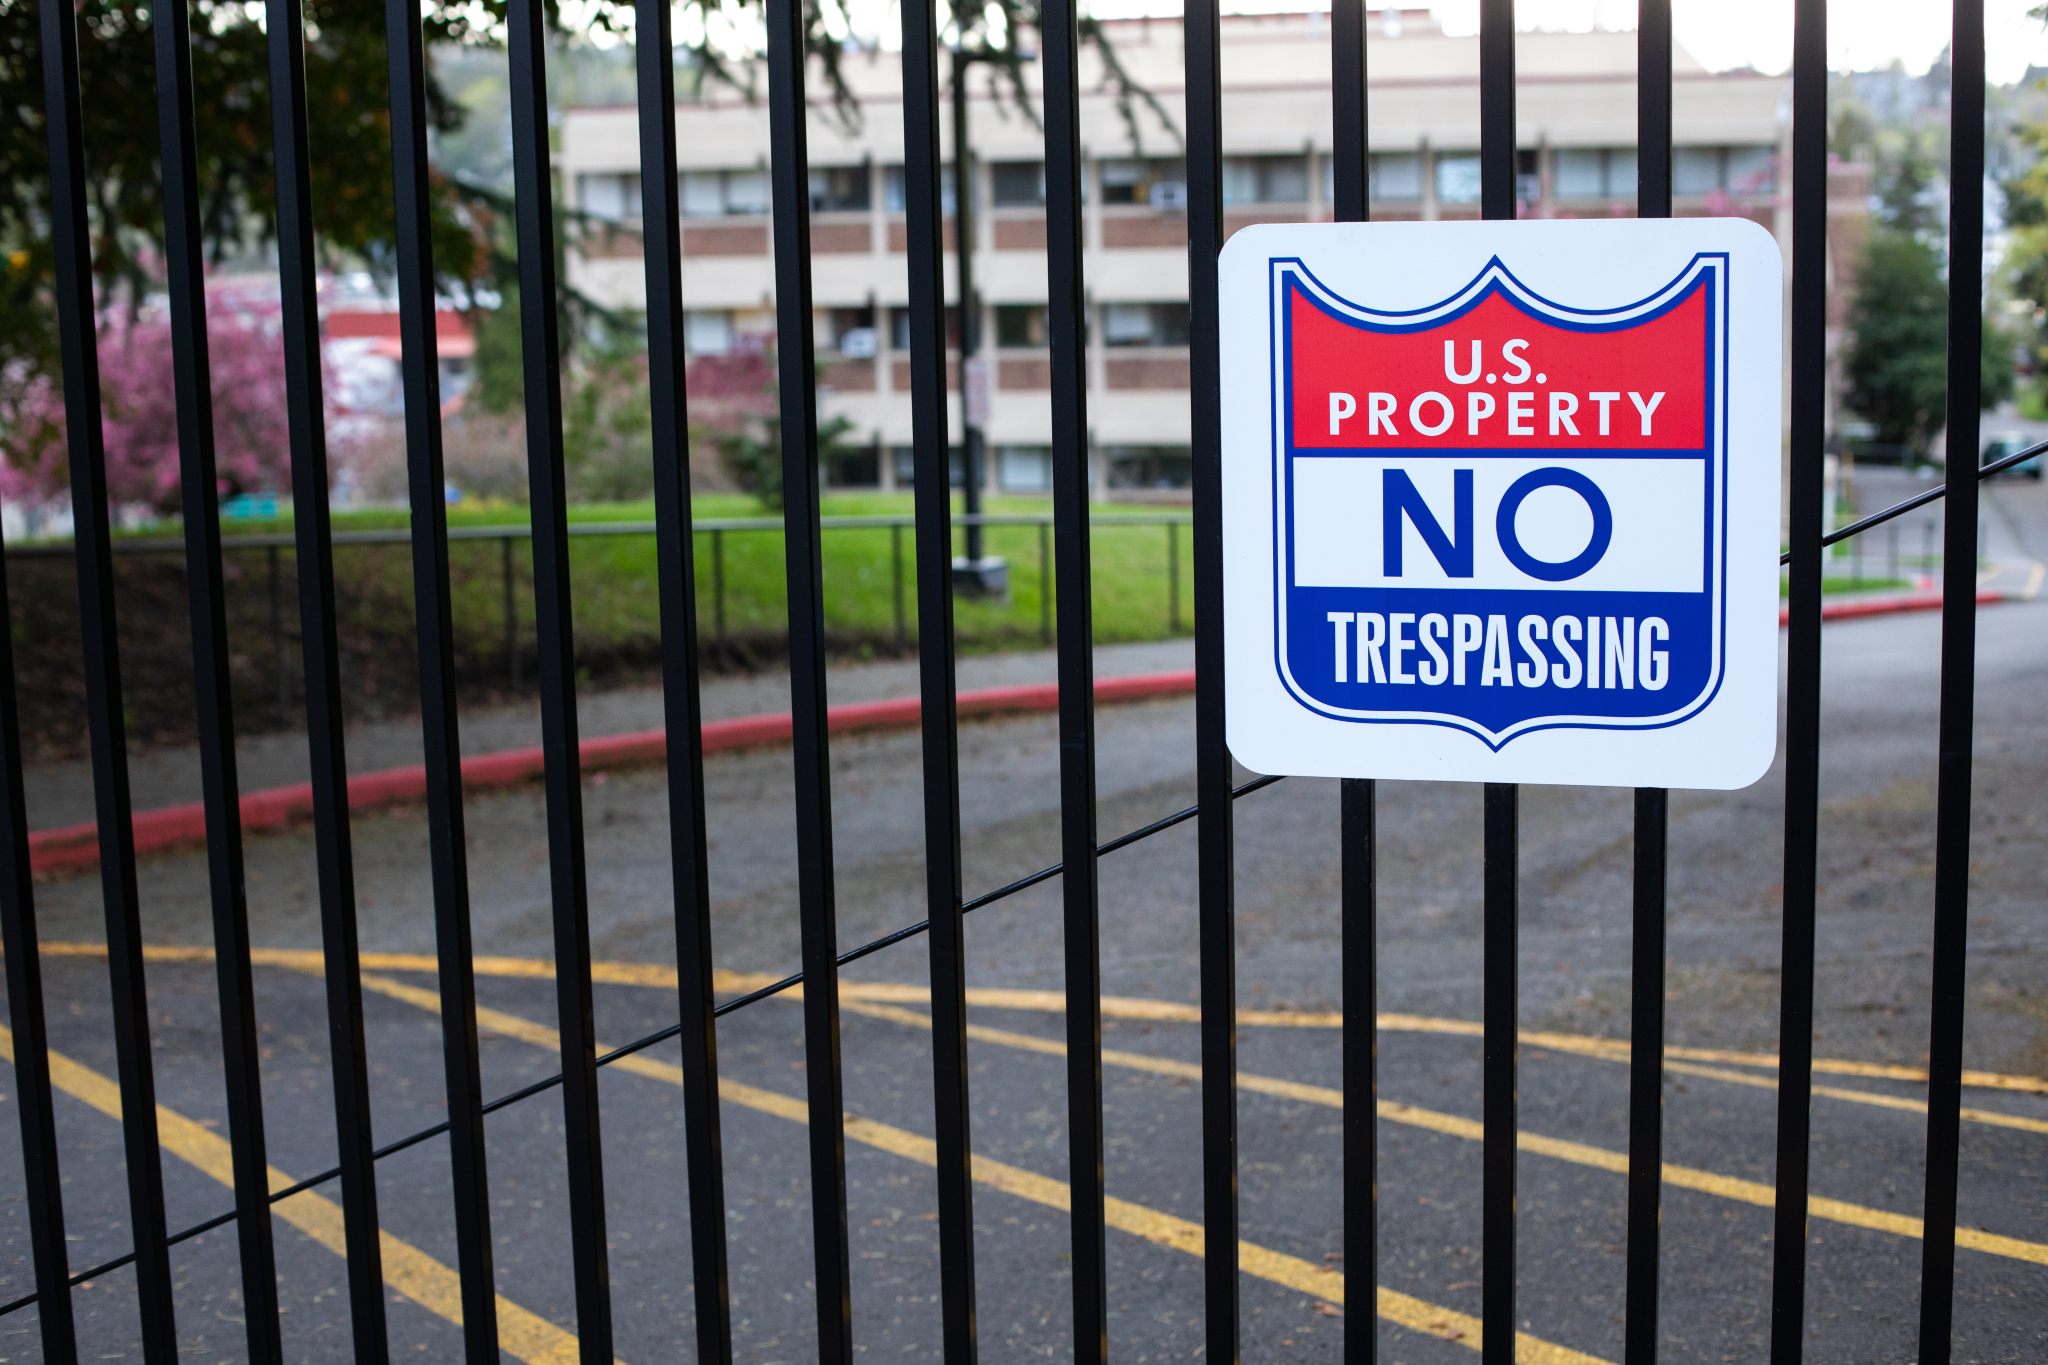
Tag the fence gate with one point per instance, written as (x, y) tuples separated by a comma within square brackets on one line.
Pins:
[(1081, 841)]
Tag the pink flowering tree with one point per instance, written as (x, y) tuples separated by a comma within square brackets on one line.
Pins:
[(140, 418)]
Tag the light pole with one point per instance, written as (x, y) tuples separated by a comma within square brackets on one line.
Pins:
[(976, 574)]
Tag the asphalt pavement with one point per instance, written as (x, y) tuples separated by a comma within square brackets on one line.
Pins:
[(1877, 835)]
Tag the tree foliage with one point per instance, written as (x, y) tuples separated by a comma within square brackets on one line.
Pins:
[(1895, 372), (1895, 361), (2026, 276), (252, 446), (349, 134), (348, 126)]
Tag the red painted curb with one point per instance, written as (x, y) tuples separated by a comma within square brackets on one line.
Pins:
[(73, 848), (1890, 606)]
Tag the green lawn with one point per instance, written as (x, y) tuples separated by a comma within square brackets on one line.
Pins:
[(740, 577), (870, 585)]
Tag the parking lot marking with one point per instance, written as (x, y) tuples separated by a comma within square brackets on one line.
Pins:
[(1754, 1192), (418, 1276), (1135, 1009), (1160, 1229), (1174, 1012), (1989, 1117)]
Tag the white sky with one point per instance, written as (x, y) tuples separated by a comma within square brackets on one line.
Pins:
[(1725, 33), (1861, 33)]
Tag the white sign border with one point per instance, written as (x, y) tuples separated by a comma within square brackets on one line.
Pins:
[(1726, 742), (1495, 272)]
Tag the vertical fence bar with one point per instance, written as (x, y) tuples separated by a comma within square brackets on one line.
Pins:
[(212, 680), (1357, 828), (681, 702), (69, 233), (1216, 893), (511, 610), (1958, 681), (440, 729), (1067, 330), (1646, 1074), (718, 586), (1352, 203), (1045, 588), (320, 653), (42, 1185), (1802, 672), (275, 579), (925, 239), (1652, 805), (1173, 577), (810, 747), (1497, 1105), (540, 354), (896, 586), (1497, 201)]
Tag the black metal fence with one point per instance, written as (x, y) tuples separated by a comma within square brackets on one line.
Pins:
[(490, 568), (1081, 844)]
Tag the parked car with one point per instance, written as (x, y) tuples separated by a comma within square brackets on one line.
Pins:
[(2004, 443)]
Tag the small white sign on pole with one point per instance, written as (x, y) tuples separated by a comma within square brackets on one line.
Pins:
[(1501, 500), (976, 384)]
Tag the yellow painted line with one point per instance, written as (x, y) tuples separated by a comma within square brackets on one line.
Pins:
[(1989, 1117), (1160, 1229), (1175, 1012), (1128, 1008), (1617, 1050), (1451, 1125), (418, 1276)]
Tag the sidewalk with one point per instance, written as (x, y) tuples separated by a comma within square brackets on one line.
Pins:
[(61, 793)]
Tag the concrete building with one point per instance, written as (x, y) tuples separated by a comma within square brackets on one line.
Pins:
[(1575, 119)]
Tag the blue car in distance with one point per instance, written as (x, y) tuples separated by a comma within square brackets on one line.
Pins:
[(2004, 443)]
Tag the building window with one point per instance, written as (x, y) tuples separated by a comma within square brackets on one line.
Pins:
[(1738, 170), (1024, 469), (1157, 467), (611, 196), (725, 194), (858, 467), (899, 327), (1265, 180), (850, 332), (1156, 182), (1393, 177), (904, 458), (1752, 170), (1145, 324), (707, 331), (1021, 326), (1017, 184), (1580, 173), (1696, 170), (894, 200), (839, 189), (1457, 178), (1397, 177)]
